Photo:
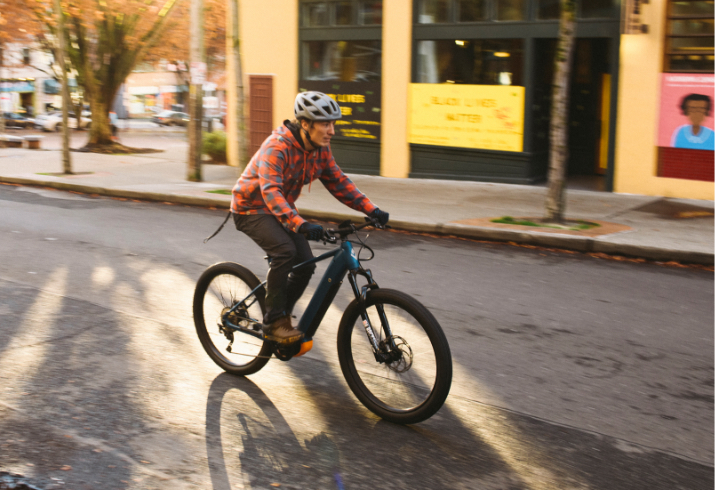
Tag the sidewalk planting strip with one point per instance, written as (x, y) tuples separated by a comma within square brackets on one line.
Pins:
[(587, 241)]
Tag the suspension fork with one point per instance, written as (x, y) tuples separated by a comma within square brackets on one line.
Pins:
[(361, 295)]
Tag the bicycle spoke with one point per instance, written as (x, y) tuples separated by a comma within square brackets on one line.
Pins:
[(408, 378), (218, 292), (402, 390)]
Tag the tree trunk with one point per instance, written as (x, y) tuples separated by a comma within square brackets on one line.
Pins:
[(558, 155), (240, 114), (66, 161), (100, 86), (100, 132), (2, 119), (233, 86), (103, 61), (198, 67)]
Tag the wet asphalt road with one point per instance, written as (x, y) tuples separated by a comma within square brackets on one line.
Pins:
[(570, 372)]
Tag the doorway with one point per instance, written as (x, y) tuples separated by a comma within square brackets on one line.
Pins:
[(589, 103)]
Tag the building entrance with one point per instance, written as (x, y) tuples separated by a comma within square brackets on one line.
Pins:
[(589, 103)]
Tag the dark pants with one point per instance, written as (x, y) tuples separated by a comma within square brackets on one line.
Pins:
[(286, 249)]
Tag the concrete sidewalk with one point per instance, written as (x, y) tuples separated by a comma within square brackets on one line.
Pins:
[(632, 225)]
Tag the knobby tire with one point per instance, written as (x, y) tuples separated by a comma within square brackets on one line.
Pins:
[(420, 390), (218, 288)]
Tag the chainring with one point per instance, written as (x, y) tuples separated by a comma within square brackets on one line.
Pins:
[(285, 352)]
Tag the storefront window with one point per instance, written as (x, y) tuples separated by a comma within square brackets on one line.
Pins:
[(510, 9), (692, 26), (685, 8), (346, 61), (315, 14), (470, 61), (589, 9), (433, 11), (471, 10), (343, 13), (689, 42), (548, 9), (593, 9), (371, 13)]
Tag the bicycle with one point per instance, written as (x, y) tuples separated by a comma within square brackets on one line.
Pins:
[(392, 351)]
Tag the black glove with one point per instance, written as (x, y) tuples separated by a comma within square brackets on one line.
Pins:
[(311, 231), (381, 216)]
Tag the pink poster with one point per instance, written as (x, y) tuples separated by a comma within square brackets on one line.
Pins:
[(686, 111)]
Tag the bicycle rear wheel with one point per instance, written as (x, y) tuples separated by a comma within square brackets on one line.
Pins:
[(218, 289), (415, 375)]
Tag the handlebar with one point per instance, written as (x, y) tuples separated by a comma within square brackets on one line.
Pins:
[(331, 235)]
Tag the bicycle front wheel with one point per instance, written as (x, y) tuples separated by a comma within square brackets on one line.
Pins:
[(408, 379), (218, 289)]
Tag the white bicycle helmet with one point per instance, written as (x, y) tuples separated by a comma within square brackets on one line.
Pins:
[(316, 106)]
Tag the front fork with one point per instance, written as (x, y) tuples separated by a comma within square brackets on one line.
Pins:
[(380, 349)]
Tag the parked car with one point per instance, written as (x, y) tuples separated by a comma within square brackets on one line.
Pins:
[(53, 121), (113, 120), (15, 120), (171, 118)]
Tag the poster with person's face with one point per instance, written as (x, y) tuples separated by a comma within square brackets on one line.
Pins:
[(686, 111)]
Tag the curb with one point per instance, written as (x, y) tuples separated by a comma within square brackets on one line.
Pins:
[(153, 130), (540, 239)]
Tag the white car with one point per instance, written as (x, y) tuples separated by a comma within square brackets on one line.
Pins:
[(52, 121)]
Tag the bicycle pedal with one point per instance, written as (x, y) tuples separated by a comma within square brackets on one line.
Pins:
[(304, 348), (285, 352)]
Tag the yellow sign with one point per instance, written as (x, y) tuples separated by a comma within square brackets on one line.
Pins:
[(490, 117)]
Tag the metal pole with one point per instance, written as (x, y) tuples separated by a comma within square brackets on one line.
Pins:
[(198, 76)]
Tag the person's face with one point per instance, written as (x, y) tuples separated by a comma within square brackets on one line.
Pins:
[(320, 132), (696, 110)]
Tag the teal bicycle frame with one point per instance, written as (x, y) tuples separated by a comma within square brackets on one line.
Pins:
[(344, 260)]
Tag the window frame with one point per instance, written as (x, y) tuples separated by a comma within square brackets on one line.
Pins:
[(337, 33), (331, 24), (668, 52), (531, 8)]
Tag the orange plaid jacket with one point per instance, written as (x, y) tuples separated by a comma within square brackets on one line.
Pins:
[(275, 176)]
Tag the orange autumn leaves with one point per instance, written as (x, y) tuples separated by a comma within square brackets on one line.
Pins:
[(23, 20)]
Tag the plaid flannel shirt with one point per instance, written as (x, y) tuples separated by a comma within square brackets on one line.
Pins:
[(276, 174)]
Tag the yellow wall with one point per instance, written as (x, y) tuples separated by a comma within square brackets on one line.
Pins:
[(269, 32), (270, 46), (396, 71), (638, 112)]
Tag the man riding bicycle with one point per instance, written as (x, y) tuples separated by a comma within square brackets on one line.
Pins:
[(263, 203)]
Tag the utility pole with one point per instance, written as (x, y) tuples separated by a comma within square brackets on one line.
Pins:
[(66, 162), (236, 131), (198, 77)]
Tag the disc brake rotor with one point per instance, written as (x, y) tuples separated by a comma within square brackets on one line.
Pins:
[(400, 356)]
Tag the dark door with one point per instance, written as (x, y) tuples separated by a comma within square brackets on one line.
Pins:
[(590, 85), (261, 104)]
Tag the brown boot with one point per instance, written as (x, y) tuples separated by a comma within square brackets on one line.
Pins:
[(282, 331)]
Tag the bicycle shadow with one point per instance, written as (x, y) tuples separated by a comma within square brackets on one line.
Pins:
[(354, 449), (270, 451)]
